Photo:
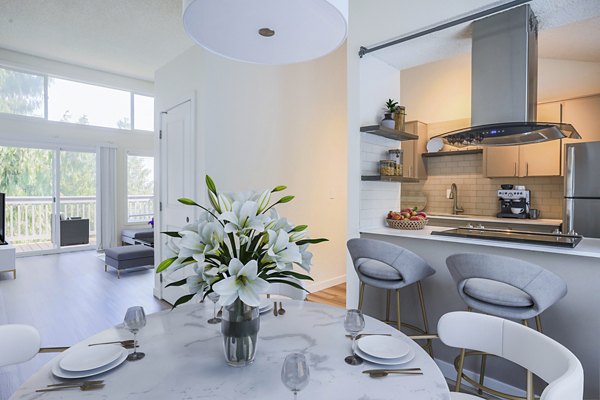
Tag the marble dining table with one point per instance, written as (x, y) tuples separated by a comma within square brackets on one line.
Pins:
[(184, 360)]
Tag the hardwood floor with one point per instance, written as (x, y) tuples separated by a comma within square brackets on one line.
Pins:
[(67, 297), (334, 296)]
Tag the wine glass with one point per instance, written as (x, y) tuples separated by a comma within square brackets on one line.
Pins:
[(295, 373), (214, 297), (354, 323), (135, 319)]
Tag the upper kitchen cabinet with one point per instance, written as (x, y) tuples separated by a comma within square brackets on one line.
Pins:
[(413, 165), (584, 114), (529, 160)]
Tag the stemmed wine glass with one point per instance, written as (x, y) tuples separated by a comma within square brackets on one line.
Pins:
[(354, 323), (214, 297), (295, 373), (135, 319)]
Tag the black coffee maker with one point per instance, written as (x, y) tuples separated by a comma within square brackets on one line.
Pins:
[(513, 203)]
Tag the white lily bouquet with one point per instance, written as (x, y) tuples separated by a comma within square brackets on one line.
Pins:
[(238, 247)]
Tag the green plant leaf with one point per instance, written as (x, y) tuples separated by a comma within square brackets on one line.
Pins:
[(297, 275), (210, 184), (188, 202), (278, 188), (299, 228), (294, 284), (165, 264), (183, 299), (311, 241), (172, 234), (178, 283)]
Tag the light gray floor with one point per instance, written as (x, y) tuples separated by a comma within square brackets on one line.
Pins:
[(67, 297)]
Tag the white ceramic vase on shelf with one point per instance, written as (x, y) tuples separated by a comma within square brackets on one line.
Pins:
[(388, 121)]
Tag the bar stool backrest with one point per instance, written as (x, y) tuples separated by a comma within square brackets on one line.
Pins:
[(532, 350), (18, 343)]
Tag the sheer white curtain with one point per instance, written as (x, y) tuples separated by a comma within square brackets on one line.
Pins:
[(106, 207)]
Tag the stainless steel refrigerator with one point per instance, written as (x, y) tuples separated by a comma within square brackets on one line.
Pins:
[(582, 189)]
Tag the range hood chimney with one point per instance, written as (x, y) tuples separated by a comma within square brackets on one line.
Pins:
[(504, 85)]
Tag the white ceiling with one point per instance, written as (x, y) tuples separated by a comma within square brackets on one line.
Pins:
[(569, 30), (128, 37)]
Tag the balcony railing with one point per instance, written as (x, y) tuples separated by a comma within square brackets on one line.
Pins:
[(29, 219)]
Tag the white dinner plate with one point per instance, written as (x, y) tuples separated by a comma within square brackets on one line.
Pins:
[(385, 347), (383, 361), (90, 357), (266, 304), (435, 145), (61, 373)]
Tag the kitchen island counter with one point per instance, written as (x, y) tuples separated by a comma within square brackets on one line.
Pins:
[(573, 320)]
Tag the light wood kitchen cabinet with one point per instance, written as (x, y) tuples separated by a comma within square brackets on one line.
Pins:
[(502, 161), (584, 114), (412, 162)]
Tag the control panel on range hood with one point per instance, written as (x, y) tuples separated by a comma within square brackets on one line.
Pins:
[(504, 85)]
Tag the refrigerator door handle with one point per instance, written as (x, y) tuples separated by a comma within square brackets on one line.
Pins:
[(569, 171), (568, 216)]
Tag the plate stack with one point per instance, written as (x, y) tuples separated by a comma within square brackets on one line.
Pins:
[(384, 350), (83, 362), (265, 305)]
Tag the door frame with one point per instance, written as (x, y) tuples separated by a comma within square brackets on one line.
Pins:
[(158, 221)]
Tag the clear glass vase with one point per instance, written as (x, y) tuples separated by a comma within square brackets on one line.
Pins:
[(239, 327)]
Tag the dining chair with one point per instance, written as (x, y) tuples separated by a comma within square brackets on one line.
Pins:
[(18, 343), (284, 290), (532, 350), (505, 287), (387, 266)]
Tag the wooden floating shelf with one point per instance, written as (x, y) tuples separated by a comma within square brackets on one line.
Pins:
[(452, 153), (384, 178), (388, 133)]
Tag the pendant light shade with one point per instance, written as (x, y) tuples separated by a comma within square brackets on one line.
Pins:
[(267, 31)]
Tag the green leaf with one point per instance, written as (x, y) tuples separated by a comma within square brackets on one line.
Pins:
[(183, 299), (188, 202), (278, 188), (297, 275), (172, 234), (165, 264), (311, 241), (285, 199), (299, 228), (294, 284), (211, 185), (178, 283)]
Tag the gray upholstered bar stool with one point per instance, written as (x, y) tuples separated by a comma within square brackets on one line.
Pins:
[(505, 287), (387, 266)]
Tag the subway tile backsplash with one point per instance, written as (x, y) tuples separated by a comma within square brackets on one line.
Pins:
[(477, 194)]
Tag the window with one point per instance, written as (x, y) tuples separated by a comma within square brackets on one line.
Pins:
[(144, 112), (21, 93), (74, 102), (140, 189), (81, 103)]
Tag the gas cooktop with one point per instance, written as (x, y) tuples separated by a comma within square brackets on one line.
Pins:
[(508, 235)]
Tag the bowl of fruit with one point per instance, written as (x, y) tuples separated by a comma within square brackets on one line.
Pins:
[(408, 218)]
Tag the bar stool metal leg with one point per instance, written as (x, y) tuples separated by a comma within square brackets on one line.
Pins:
[(538, 323), (459, 373), (398, 309), (387, 305), (361, 295), (424, 314)]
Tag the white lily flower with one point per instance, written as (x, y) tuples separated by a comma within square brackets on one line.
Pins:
[(295, 236), (243, 217), (243, 282), (306, 257), (224, 202), (281, 250), (263, 200)]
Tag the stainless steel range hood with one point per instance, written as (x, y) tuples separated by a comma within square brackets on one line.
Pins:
[(504, 85)]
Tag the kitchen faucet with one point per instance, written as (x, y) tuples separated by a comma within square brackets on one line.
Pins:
[(454, 196)]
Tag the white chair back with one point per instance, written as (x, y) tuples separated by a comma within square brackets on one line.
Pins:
[(532, 350), (18, 343), (283, 290)]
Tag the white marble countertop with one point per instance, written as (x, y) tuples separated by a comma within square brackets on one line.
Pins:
[(481, 218), (585, 248), (184, 360)]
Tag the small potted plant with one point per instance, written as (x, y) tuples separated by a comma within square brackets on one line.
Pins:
[(390, 108)]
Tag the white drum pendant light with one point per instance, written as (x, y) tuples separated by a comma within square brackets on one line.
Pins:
[(267, 31)]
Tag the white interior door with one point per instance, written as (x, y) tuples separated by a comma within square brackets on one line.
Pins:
[(177, 179)]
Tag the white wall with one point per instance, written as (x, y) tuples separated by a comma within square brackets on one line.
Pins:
[(18, 130), (262, 126)]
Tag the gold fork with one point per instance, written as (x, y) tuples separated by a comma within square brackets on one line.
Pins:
[(83, 386), (76, 383)]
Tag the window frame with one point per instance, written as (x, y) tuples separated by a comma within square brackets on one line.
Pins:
[(136, 153), (46, 78)]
